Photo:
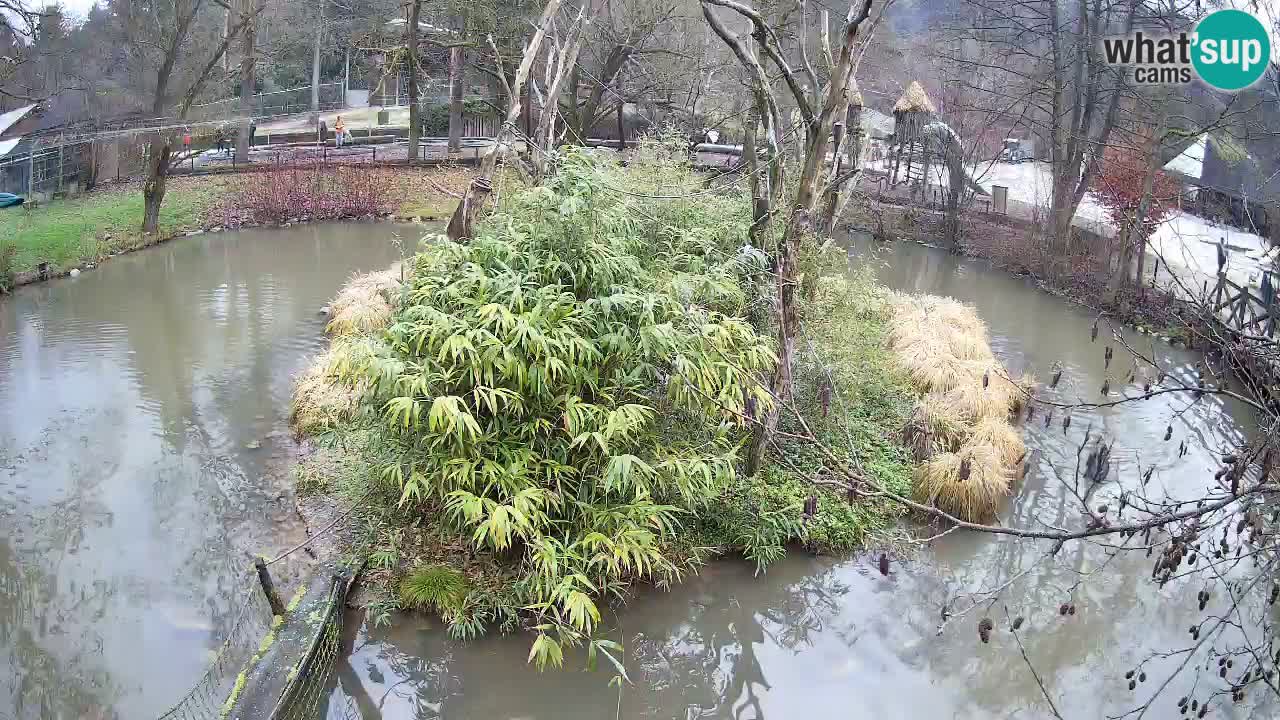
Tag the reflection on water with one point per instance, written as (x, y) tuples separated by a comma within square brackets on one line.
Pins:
[(141, 406), (817, 637)]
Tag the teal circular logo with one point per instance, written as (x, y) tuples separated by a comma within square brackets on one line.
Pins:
[(1232, 49)]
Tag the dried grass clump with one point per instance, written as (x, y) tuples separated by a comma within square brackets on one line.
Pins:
[(933, 368), (965, 409), (1001, 436), (975, 402), (914, 99), (320, 400), (363, 305), (934, 428), (941, 483)]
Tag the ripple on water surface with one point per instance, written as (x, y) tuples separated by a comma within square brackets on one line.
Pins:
[(142, 409)]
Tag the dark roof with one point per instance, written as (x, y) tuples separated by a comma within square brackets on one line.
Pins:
[(1246, 170)]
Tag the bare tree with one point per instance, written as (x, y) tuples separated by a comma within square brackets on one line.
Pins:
[(457, 68), (248, 10), (412, 52), (462, 223), (315, 57), (817, 113), (20, 30), (562, 56), (625, 37), (1046, 54), (159, 35)]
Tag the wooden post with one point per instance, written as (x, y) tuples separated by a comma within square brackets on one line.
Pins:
[(622, 126), (268, 587), (1269, 298)]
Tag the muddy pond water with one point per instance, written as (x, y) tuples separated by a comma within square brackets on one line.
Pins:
[(144, 457), (831, 637)]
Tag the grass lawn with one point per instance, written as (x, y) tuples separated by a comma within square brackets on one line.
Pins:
[(68, 233), (422, 196)]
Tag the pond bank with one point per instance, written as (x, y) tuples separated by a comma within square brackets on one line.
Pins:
[(78, 234), (1162, 312), (1011, 244)]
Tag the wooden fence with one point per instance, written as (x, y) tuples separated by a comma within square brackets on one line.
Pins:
[(1247, 311)]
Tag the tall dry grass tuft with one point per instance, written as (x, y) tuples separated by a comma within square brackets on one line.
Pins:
[(364, 304), (961, 428), (934, 427), (1002, 437), (323, 397), (322, 401), (969, 484)]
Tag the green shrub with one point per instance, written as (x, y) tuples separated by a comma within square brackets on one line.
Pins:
[(554, 410), (561, 397), (439, 588), (8, 250)]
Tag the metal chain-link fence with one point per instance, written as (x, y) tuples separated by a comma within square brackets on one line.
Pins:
[(206, 700), (306, 696), (46, 167), (270, 104)]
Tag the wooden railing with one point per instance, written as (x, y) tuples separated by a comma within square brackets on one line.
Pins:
[(1247, 311)]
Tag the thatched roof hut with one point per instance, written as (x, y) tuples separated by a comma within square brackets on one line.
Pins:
[(910, 114), (914, 99)]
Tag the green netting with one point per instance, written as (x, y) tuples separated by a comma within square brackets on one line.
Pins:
[(306, 695), (205, 700)]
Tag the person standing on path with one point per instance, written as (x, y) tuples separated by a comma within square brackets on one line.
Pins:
[(339, 129)]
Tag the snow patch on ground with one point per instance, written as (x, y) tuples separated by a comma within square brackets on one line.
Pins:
[(1191, 243), (1185, 243)]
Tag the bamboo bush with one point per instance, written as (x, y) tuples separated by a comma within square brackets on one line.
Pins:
[(559, 399), (555, 408)]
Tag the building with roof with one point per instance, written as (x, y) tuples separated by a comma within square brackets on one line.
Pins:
[(1229, 181)]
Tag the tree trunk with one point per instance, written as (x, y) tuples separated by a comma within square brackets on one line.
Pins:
[(1141, 250), (455, 99), (759, 199), (226, 30), (826, 221), (247, 81), (622, 126), (799, 223), (462, 224), (153, 188), (559, 65), (411, 50), (953, 158), (315, 61)]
